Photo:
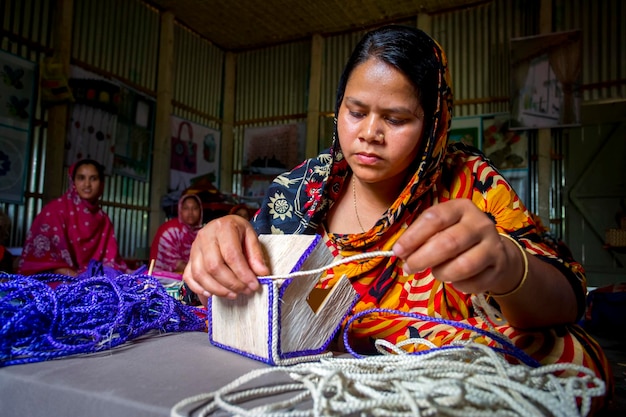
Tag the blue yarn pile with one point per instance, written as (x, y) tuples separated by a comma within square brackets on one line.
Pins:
[(86, 314)]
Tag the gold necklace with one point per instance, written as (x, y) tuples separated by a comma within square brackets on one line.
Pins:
[(358, 219)]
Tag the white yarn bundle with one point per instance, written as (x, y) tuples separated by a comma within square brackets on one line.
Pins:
[(469, 380)]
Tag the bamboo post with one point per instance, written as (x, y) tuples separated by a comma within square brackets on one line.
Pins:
[(57, 114), (313, 110), (544, 136), (228, 135), (159, 183)]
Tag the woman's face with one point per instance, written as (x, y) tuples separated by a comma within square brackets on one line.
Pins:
[(190, 211), (380, 123), (88, 183)]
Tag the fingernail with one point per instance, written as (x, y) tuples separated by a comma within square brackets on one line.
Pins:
[(206, 293)]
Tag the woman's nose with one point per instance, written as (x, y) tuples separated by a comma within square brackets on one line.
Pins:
[(372, 129)]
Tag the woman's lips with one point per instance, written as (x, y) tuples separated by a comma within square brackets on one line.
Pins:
[(367, 158)]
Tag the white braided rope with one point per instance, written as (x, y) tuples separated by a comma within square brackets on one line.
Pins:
[(357, 257), (470, 381)]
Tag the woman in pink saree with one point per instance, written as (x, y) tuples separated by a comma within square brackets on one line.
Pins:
[(73, 230), (172, 242)]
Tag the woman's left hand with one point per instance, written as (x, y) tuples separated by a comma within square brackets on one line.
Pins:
[(461, 245)]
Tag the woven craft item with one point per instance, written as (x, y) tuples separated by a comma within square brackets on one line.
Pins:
[(285, 321)]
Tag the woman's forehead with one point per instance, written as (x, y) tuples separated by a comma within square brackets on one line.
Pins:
[(86, 169), (191, 200)]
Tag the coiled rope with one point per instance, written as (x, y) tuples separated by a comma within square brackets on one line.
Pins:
[(472, 381), (86, 314), (460, 379)]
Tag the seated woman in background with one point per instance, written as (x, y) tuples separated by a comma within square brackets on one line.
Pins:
[(240, 210), (172, 242), (73, 230)]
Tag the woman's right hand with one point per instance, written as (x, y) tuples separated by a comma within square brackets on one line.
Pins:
[(225, 260)]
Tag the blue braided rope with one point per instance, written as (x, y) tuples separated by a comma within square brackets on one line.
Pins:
[(85, 314), (508, 348)]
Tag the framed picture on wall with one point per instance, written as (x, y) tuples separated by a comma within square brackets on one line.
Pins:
[(17, 93), (195, 154), (508, 151), (111, 123), (271, 150), (467, 130), (546, 76)]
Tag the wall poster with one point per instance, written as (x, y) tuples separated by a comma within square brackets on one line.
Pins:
[(111, 123), (546, 76), (17, 96), (467, 130), (195, 154), (269, 151), (508, 151)]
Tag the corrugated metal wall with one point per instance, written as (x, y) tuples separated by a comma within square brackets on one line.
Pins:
[(604, 43), (118, 38), (271, 88), (26, 32), (198, 78), (272, 83), (477, 44), (100, 43)]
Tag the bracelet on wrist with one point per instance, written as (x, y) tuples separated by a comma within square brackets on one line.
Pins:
[(525, 274)]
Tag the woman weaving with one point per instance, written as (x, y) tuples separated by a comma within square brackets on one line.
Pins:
[(392, 182), (73, 230)]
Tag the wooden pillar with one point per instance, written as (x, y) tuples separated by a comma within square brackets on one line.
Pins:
[(159, 183), (544, 136), (424, 22), (313, 107), (228, 124), (57, 115)]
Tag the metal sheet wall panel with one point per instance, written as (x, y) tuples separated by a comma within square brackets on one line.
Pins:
[(272, 82), (477, 42), (337, 50), (102, 35), (26, 26), (26, 31), (604, 40), (272, 87), (198, 74)]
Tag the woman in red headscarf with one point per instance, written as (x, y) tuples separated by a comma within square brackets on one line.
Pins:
[(172, 242), (73, 230)]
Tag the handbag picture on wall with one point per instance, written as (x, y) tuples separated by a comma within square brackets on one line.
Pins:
[(195, 154), (184, 151)]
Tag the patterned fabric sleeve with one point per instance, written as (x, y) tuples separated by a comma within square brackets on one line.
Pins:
[(493, 194)]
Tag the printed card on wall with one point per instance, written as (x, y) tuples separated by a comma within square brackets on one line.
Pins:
[(195, 154), (546, 78), (92, 128), (16, 114), (271, 150), (467, 130), (508, 151)]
